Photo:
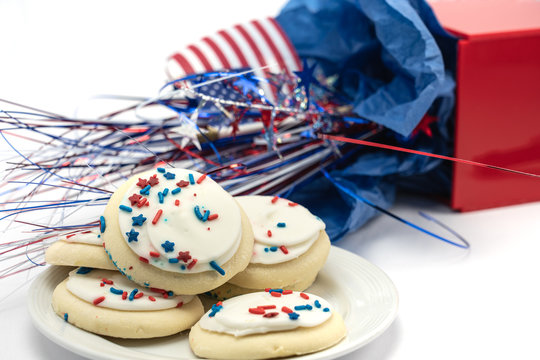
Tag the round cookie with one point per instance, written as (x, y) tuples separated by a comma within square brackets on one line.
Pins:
[(116, 309), (80, 249), (290, 248), (264, 325), (176, 229)]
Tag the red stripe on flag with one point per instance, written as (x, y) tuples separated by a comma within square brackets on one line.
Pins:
[(201, 57), (287, 41), (271, 44), (181, 60), (235, 48), (218, 52), (251, 44)]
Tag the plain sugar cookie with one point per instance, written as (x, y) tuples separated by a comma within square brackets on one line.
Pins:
[(265, 325), (106, 303), (178, 230)]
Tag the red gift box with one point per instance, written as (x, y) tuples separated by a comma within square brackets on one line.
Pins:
[(498, 99)]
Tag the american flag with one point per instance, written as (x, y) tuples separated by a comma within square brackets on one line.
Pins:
[(254, 45)]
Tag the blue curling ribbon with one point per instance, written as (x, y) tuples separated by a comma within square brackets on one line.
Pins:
[(464, 244)]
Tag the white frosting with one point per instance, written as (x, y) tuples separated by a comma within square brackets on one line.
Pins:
[(235, 318), (86, 237), (212, 240), (293, 227), (88, 288)]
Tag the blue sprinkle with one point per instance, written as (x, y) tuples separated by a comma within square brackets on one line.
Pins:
[(146, 190), (216, 267), (293, 316), (129, 277), (161, 170), (146, 283), (281, 225), (116, 291), (276, 290), (215, 310), (300, 307), (191, 179), (160, 196), (138, 220), (326, 310), (170, 293), (168, 246), (65, 317), (84, 270), (266, 249), (125, 208), (183, 267), (317, 304), (173, 260), (198, 214), (176, 191), (169, 176), (132, 235), (99, 236), (165, 191), (309, 307), (205, 216), (273, 248), (132, 294), (102, 224)]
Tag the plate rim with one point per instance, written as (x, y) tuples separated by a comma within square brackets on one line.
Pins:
[(335, 251)]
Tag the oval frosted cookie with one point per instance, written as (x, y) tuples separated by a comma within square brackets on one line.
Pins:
[(266, 325), (79, 249), (290, 248), (176, 229), (106, 303)]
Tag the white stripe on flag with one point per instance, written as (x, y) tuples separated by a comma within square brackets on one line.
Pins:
[(227, 51), (290, 59), (263, 48), (211, 57)]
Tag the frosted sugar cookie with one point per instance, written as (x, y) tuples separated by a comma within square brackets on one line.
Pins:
[(176, 229), (266, 325), (106, 303), (290, 248), (79, 249)]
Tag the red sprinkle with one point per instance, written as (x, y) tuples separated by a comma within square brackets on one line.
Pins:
[(271, 314), (304, 296), (154, 254), (142, 183), (142, 202), (153, 180), (144, 260), (269, 233), (107, 281), (157, 290), (201, 178), (257, 311), (212, 217), (292, 204), (208, 229), (156, 218), (151, 298), (275, 294), (124, 295), (192, 264), (184, 256), (177, 202), (102, 284), (284, 249), (67, 237), (194, 194), (179, 304), (99, 300), (131, 268), (138, 295), (147, 203), (165, 295), (182, 183), (274, 199), (219, 303), (287, 292), (266, 307), (134, 199), (286, 310), (267, 289)]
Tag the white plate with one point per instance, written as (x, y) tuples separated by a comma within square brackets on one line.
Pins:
[(361, 292)]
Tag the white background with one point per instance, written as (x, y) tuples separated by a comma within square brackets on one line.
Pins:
[(454, 304)]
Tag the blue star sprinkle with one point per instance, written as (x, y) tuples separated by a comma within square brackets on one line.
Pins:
[(168, 246), (138, 220), (132, 235), (169, 176)]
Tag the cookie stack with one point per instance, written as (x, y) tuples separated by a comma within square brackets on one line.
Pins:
[(174, 234)]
